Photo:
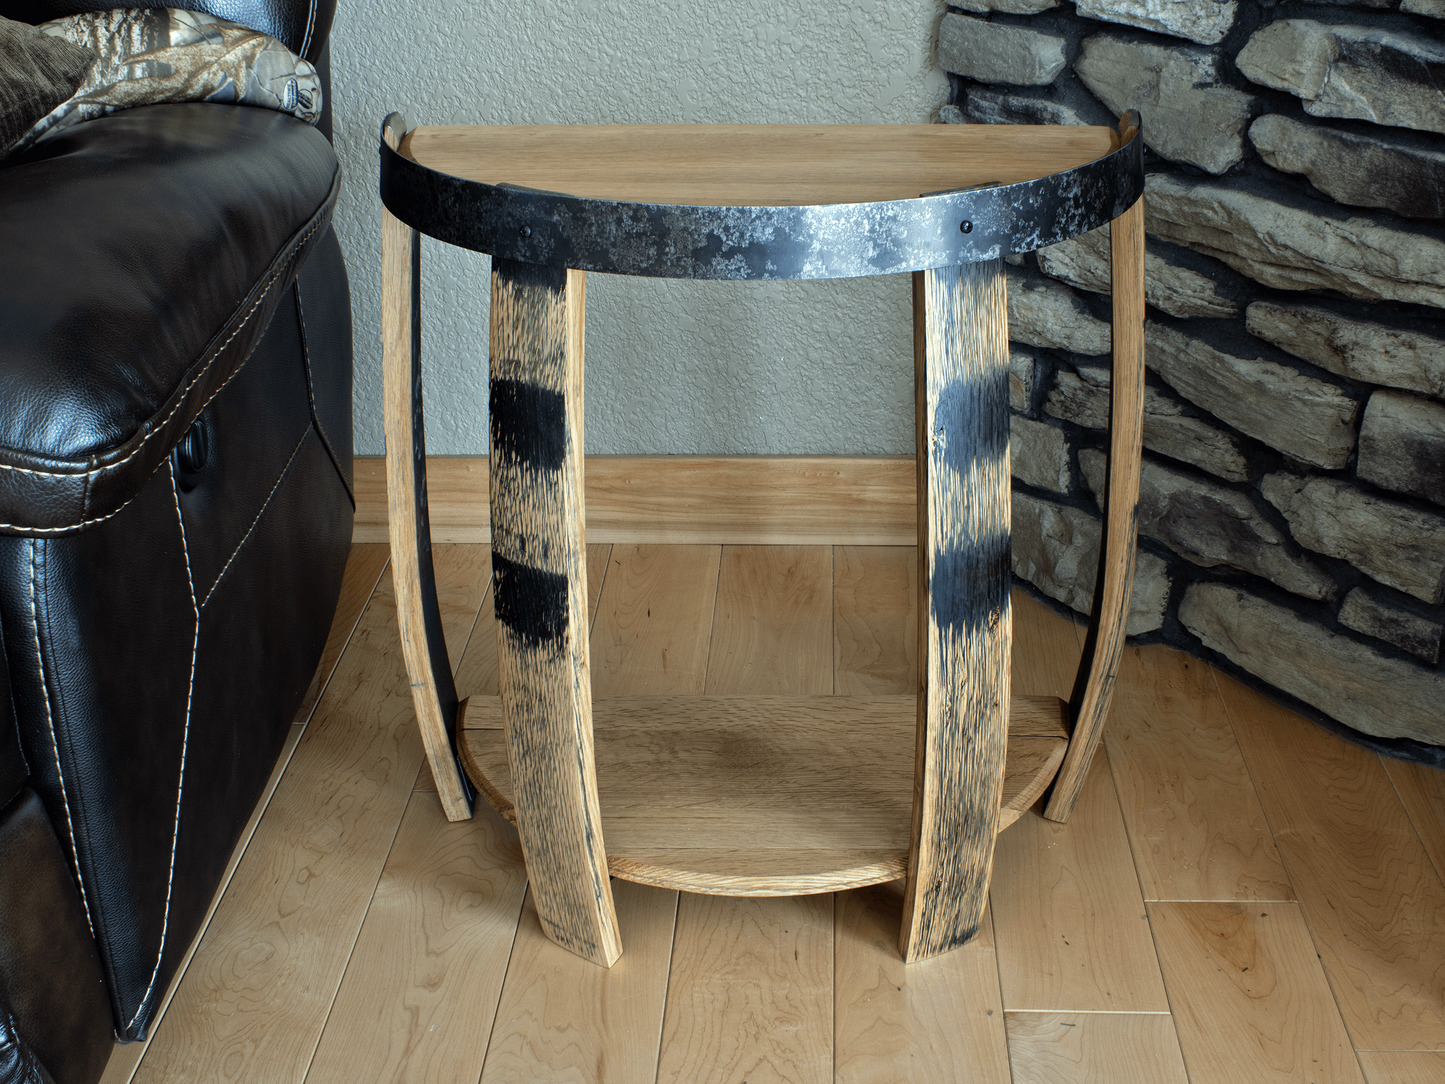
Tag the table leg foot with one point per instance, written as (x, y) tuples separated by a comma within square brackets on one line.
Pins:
[(423, 643), (540, 591), (965, 627), (1114, 584)]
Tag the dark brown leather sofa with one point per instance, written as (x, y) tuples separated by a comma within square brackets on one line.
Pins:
[(175, 514)]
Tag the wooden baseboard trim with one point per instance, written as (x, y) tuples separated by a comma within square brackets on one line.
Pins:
[(681, 500)]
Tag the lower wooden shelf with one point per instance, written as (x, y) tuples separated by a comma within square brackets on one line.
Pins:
[(761, 795)]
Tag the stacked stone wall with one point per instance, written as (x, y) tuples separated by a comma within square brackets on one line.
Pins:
[(1292, 514)]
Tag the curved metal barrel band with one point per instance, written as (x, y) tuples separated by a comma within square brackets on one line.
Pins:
[(842, 240)]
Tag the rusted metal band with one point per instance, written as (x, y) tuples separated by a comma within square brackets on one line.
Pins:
[(841, 240)]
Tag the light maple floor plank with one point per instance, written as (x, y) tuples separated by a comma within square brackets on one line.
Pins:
[(939, 1021), (1069, 922), (1046, 649), (750, 997), (1095, 1048), (654, 620), (1422, 792), (750, 993), (261, 983), (364, 567), (1373, 900), (563, 1019), (423, 981), (1195, 823), (1403, 1066), (875, 620), (773, 622), (1250, 999)]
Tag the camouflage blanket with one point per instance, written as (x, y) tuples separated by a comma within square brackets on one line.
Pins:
[(147, 56)]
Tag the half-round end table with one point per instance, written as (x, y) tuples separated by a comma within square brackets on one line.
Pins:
[(754, 795)]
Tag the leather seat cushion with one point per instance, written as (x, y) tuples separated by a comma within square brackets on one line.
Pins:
[(151, 248)]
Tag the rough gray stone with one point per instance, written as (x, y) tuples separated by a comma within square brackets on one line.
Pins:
[(951, 114), (1345, 679), (1433, 8), (1366, 171), (1169, 284), (1013, 7), (1023, 378), (1358, 349), (1409, 631), (1296, 248), (1042, 312), (999, 52), (1300, 415), (999, 105), (1084, 400), (1211, 525), (1355, 3), (1355, 72), (1205, 21), (1189, 115), (1039, 454), (1402, 445), (1392, 542), (1056, 548)]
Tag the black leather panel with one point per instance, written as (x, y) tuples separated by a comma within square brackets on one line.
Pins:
[(301, 25), (254, 430), (116, 626), (324, 301), (50, 976), (156, 244), (13, 769), (18, 1063), (286, 581)]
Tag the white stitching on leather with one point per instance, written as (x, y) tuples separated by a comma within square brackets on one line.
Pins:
[(310, 26), (55, 744), (185, 741), (264, 504), (265, 292), (28, 530)]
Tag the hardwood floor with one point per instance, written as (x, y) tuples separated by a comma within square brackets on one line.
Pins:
[(1239, 898)]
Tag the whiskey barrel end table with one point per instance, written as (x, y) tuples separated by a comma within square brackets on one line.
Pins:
[(754, 795)]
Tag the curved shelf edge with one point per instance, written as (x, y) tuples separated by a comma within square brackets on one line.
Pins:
[(762, 795)]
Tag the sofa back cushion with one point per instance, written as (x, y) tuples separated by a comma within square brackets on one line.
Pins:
[(300, 25)]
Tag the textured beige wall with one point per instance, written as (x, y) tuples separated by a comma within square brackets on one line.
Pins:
[(671, 366)]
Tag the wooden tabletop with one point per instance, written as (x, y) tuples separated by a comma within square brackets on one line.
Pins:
[(740, 165)]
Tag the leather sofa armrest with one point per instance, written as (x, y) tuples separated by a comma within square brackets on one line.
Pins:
[(18, 1063)]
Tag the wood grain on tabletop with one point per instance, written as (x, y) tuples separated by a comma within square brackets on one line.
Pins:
[(364, 566), (1195, 823), (1373, 900), (772, 627), (1115, 585), (754, 165), (562, 1019), (750, 994), (291, 915), (940, 1021), (654, 620), (875, 620), (750, 991), (1263, 1012), (1068, 917), (426, 973), (1095, 1048)]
